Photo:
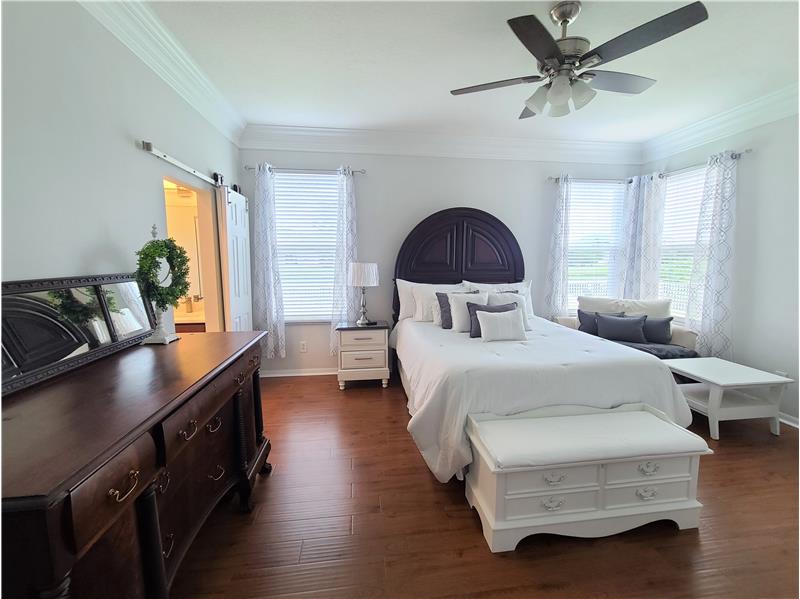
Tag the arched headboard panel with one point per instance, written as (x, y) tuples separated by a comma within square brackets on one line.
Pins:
[(456, 244)]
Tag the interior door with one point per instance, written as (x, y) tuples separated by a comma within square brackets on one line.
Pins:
[(234, 242)]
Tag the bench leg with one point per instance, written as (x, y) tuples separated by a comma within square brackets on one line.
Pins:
[(714, 402), (775, 396)]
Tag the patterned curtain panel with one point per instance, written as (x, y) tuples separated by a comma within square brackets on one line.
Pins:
[(344, 304), (642, 221), (267, 292), (557, 271), (710, 286)]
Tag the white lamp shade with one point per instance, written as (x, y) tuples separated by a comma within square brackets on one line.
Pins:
[(362, 274), (538, 100), (582, 94), (559, 110)]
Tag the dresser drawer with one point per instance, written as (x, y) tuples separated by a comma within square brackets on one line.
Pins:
[(551, 504), (555, 478), (351, 360), (645, 493), (112, 489), (185, 424), (365, 338), (634, 471)]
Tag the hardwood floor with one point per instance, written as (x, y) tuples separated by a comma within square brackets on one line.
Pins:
[(351, 510)]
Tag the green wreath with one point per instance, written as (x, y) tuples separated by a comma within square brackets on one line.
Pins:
[(148, 268)]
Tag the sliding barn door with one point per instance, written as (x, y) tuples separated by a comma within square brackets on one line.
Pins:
[(234, 245)]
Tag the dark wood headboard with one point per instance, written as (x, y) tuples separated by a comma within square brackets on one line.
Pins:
[(457, 244)]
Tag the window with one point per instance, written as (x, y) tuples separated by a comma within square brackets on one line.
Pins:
[(595, 238), (684, 192), (306, 208)]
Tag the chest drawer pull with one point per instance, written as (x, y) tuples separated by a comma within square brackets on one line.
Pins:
[(163, 482), (553, 504), (239, 378), (119, 496), (221, 471), (213, 426), (649, 468), (167, 552), (362, 359), (646, 493), (185, 434), (554, 479)]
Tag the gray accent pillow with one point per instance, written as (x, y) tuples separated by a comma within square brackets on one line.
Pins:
[(474, 324), (588, 320), (621, 328), (658, 330), (444, 307)]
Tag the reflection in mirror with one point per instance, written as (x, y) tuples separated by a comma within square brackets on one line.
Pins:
[(43, 327), (127, 309)]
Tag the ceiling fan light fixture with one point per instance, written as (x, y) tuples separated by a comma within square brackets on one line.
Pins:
[(559, 110), (582, 94), (560, 90), (538, 100)]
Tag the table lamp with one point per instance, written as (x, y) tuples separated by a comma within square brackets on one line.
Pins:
[(362, 274)]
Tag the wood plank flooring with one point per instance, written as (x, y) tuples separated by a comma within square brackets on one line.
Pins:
[(351, 511)]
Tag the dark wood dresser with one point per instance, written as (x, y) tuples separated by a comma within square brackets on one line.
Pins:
[(109, 471)]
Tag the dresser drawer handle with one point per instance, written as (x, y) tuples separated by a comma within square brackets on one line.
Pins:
[(221, 471), (649, 468), (168, 552), (553, 504), (646, 493), (163, 484), (119, 496), (255, 361), (186, 435), (554, 479), (239, 378), (363, 359), (211, 428), (362, 338)]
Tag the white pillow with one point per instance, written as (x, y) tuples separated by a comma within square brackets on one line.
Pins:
[(405, 292), (523, 287), (458, 308), (501, 326), (657, 308), (500, 299), (437, 314)]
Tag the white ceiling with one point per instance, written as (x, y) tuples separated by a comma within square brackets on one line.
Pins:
[(390, 65)]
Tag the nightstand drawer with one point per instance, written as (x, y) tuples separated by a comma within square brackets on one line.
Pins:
[(365, 338), (351, 360)]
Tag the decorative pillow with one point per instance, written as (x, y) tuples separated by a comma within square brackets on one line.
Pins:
[(473, 309), (621, 328), (505, 297), (404, 292), (658, 330), (458, 308), (523, 288), (588, 320), (437, 314), (424, 297), (446, 320), (502, 326), (632, 307)]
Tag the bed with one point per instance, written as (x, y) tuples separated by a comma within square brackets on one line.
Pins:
[(447, 375)]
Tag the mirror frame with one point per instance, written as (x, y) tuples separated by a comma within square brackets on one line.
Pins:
[(43, 373)]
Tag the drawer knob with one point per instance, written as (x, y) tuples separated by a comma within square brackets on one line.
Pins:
[(649, 468), (167, 552), (119, 496), (190, 432), (239, 378), (646, 493), (555, 478), (553, 504), (163, 483), (221, 471), (213, 426)]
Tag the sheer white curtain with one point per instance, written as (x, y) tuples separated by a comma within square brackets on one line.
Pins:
[(344, 304), (710, 285), (642, 223), (557, 271), (267, 292)]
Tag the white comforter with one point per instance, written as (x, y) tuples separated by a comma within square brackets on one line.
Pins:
[(448, 375)]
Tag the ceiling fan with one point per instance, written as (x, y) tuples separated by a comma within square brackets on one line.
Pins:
[(562, 61)]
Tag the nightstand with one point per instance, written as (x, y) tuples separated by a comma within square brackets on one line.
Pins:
[(363, 353)]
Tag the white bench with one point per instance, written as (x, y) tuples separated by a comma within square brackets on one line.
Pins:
[(586, 475)]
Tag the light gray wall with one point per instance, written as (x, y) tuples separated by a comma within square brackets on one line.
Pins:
[(765, 304), (399, 191), (79, 196)]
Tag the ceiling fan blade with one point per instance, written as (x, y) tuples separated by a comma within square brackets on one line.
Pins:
[(622, 83), (496, 84), (535, 37), (645, 35), (526, 113)]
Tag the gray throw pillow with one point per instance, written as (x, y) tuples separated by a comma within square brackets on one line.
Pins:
[(658, 330), (621, 328), (588, 320), (444, 308), (474, 324)]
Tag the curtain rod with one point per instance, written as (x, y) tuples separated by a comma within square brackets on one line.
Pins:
[(248, 167)]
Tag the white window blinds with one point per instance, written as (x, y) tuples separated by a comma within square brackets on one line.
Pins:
[(684, 192), (595, 238), (306, 208)]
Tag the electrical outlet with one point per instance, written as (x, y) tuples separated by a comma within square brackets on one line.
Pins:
[(303, 347)]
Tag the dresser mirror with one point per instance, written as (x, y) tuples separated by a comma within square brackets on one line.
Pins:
[(51, 326)]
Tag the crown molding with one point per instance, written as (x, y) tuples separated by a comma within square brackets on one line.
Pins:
[(766, 109), (362, 141), (141, 31)]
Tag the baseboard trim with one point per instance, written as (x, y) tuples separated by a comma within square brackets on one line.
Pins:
[(298, 372), (789, 420)]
